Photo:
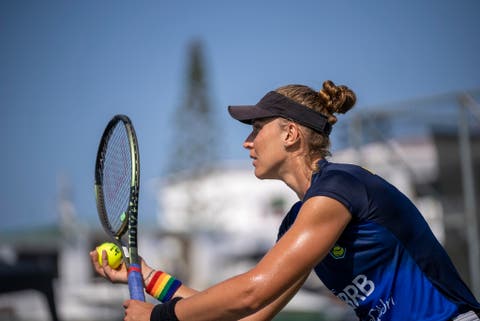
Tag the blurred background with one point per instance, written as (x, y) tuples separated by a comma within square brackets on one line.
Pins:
[(66, 67)]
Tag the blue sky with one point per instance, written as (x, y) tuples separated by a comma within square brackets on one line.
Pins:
[(66, 67)]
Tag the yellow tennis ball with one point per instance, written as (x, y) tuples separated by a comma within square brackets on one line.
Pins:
[(114, 254)]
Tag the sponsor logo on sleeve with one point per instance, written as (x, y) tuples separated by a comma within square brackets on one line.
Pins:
[(338, 252)]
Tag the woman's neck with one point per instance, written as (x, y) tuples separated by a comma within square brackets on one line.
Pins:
[(298, 176)]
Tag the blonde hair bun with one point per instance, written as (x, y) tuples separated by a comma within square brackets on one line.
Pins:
[(337, 99)]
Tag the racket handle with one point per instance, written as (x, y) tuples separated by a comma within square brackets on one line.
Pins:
[(135, 283)]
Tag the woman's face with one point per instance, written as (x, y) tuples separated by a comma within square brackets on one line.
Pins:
[(266, 147)]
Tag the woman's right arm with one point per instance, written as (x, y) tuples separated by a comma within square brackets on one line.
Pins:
[(119, 275), (271, 310)]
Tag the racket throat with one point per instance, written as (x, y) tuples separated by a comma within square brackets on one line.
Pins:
[(126, 252)]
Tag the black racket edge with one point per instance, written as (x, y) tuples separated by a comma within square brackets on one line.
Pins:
[(134, 193)]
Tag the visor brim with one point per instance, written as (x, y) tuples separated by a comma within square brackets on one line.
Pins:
[(247, 114)]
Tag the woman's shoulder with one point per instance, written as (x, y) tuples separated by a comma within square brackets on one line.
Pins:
[(347, 183), (327, 167)]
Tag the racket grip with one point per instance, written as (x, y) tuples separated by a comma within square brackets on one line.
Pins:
[(135, 283)]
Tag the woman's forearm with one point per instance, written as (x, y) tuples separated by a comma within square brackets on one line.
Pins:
[(184, 292), (228, 300), (238, 297), (272, 309)]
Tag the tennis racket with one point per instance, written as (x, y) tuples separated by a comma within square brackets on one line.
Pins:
[(117, 182)]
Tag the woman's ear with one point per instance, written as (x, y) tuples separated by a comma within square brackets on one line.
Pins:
[(291, 134)]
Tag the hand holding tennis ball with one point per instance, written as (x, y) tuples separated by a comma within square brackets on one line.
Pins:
[(114, 254)]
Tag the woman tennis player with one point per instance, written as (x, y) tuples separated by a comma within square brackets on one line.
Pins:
[(362, 237)]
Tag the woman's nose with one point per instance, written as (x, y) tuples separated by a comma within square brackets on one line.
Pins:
[(248, 143)]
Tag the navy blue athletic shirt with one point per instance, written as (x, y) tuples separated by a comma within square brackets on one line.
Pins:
[(387, 264)]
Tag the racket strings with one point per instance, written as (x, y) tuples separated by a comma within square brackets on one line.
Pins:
[(117, 176)]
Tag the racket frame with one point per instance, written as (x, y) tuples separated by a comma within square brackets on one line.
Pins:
[(130, 223)]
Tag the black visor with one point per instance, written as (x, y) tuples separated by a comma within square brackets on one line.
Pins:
[(274, 104)]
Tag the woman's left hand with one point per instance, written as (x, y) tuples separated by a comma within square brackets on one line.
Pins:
[(137, 310)]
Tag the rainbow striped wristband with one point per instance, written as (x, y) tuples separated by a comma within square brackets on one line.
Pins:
[(163, 286)]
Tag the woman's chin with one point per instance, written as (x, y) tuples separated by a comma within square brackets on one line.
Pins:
[(262, 175), (258, 173)]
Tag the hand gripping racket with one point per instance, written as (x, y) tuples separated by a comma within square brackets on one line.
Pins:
[(117, 181)]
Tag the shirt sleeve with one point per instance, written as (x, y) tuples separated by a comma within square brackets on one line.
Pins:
[(343, 187), (289, 219)]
